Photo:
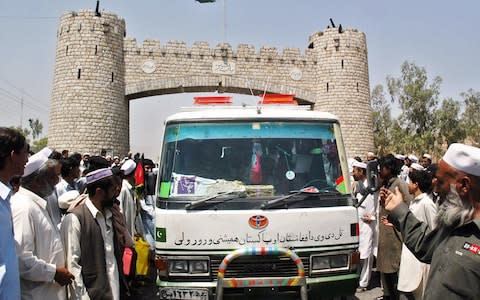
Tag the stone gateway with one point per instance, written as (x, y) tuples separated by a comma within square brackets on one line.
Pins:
[(98, 70)]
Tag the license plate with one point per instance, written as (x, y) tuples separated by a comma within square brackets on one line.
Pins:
[(183, 294)]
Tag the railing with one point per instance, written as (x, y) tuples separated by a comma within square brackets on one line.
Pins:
[(298, 280)]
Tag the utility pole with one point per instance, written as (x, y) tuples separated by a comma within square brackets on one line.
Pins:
[(21, 112), (224, 21)]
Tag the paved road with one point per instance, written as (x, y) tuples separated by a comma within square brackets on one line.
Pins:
[(149, 290)]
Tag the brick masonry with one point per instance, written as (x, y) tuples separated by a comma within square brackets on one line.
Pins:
[(98, 70)]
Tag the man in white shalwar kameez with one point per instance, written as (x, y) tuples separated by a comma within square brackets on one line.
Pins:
[(367, 220), (413, 274), (40, 250), (128, 204)]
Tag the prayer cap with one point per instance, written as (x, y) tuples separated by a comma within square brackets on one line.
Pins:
[(36, 161), (464, 158), (400, 157), (417, 167), (128, 167), (359, 164), (98, 174), (413, 158), (426, 155), (67, 198)]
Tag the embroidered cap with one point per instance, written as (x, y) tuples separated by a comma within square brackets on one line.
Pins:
[(426, 155), (400, 157), (463, 158), (36, 161), (98, 174)]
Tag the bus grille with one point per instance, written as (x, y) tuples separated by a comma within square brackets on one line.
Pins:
[(259, 266)]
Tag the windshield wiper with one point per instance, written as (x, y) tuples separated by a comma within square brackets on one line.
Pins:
[(205, 201), (291, 198)]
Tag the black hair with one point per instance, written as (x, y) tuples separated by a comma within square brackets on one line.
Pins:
[(68, 164), (102, 184), (95, 163), (433, 169), (357, 158), (423, 179), (148, 162), (10, 140), (76, 156), (390, 162), (55, 155)]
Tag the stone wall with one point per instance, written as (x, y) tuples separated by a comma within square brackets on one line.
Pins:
[(331, 74)]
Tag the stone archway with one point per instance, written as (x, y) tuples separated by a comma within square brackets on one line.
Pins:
[(98, 70)]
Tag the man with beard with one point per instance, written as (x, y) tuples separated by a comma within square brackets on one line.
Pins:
[(453, 247), (366, 213), (93, 252), (40, 250)]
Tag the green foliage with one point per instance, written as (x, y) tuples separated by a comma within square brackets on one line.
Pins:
[(36, 127), (39, 144), (417, 98), (382, 119), (471, 116), (449, 124), (422, 126)]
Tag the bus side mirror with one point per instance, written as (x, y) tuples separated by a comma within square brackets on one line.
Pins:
[(372, 176)]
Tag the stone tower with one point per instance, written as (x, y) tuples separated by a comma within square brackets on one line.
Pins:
[(342, 84), (89, 111)]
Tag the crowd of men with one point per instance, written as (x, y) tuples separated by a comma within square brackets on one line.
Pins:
[(422, 226), (68, 222)]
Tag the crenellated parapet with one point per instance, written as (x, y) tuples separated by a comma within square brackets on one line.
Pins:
[(202, 48)]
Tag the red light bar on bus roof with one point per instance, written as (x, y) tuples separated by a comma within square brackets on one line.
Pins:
[(278, 99), (206, 100)]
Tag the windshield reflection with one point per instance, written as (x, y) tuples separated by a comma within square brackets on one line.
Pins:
[(258, 158)]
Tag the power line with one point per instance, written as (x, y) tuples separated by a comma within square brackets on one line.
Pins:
[(19, 100), (29, 17), (22, 91)]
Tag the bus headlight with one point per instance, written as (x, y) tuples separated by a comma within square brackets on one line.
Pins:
[(320, 263), (329, 263), (188, 266), (178, 266), (198, 266)]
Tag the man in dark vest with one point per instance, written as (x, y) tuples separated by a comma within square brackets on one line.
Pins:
[(94, 253)]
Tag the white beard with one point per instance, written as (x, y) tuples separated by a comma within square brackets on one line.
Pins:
[(453, 212)]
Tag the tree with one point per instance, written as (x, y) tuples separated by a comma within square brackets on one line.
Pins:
[(448, 124), (36, 127), (471, 116), (39, 144), (382, 120), (418, 100)]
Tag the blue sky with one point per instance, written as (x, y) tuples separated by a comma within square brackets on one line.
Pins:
[(441, 36)]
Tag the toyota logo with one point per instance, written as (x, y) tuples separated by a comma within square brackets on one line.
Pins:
[(258, 222)]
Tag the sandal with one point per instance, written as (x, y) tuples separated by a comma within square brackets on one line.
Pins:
[(361, 289)]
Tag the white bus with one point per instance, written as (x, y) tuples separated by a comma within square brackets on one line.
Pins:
[(262, 177)]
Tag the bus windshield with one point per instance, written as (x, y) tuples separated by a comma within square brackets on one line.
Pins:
[(264, 159)]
